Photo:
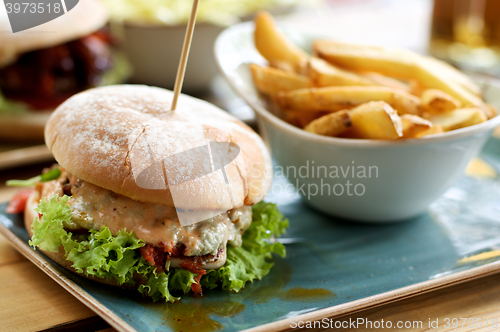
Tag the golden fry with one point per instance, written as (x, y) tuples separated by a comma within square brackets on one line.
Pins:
[(285, 66), (445, 69), (491, 111), (437, 101), (459, 118), (375, 120), (332, 124), (414, 126), (271, 81), (383, 80), (324, 74), (416, 88), (274, 46), (390, 62), (397, 63), (435, 129), (306, 117), (338, 98), (292, 118)]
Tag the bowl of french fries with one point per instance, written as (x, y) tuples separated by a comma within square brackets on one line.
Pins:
[(365, 133)]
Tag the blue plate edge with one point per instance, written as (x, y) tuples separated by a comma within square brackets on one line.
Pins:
[(45, 264)]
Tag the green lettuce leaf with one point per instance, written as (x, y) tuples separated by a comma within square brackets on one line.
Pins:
[(53, 174), (181, 279), (104, 255), (157, 287), (251, 260), (49, 232)]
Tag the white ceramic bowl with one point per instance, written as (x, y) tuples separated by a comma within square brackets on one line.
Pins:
[(154, 52), (392, 180)]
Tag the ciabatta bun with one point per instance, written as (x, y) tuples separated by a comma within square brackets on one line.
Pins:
[(95, 134)]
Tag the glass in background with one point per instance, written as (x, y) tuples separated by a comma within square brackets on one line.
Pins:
[(467, 34)]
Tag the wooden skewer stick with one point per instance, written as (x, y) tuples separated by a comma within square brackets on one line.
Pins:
[(188, 38)]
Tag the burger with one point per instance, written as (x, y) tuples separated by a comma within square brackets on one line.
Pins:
[(43, 66), (92, 215)]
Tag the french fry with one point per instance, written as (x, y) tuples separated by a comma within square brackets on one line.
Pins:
[(271, 81), (375, 120), (437, 101), (492, 111), (274, 46), (397, 63), (292, 118), (390, 62), (285, 66), (443, 68), (324, 74), (414, 126), (338, 98), (405, 103), (434, 130), (332, 124), (459, 118), (416, 88), (304, 118), (383, 80)]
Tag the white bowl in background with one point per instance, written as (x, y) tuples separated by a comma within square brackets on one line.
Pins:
[(406, 175), (154, 52)]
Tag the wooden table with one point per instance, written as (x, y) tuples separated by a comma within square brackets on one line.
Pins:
[(31, 301)]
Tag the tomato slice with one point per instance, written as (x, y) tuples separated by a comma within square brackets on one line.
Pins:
[(148, 252), (18, 202), (195, 287)]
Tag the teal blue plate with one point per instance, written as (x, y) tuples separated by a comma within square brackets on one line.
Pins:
[(333, 267)]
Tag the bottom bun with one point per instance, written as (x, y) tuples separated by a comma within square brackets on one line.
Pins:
[(59, 257), (26, 127)]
